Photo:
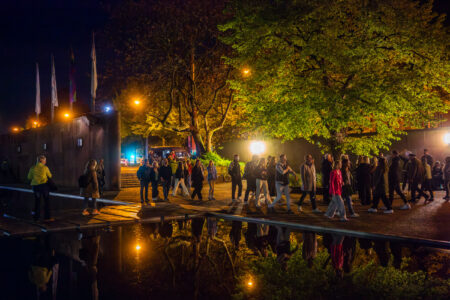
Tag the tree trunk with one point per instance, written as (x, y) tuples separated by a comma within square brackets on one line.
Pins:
[(209, 136)]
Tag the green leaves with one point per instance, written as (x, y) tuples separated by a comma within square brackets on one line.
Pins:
[(355, 74)]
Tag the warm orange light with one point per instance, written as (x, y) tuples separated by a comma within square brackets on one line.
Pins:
[(246, 72), (250, 283), (66, 115), (15, 129), (35, 123), (137, 102), (138, 247)]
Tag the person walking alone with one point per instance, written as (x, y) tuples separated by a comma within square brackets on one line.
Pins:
[(234, 170), (335, 190), (347, 187), (91, 190), (380, 185), (261, 182), (394, 175), (179, 180), (282, 183), (165, 173), (327, 166), (363, 180), (308, 176), (39, 174), (212, 177), (197, 180), (143, 174)]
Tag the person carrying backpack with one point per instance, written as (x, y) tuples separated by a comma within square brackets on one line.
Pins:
[(249, 175), (143, 174), (39, 175), (90, 187)]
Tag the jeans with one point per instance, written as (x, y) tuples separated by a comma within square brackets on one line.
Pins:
[(39, 191), (348, 201), (155, 190), (197, 191), (282, 189), (178, 182), (211, 189), (236, 182), (336, 204), (251, 187), (166, 187), (264, 186), (394, 186), (144, 188), (312, 197), (86, 203)]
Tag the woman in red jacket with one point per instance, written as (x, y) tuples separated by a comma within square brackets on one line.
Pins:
[(336, 204)]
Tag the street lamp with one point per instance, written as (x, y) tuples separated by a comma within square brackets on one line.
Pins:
[(246, 72), (15, 129), (137, 102), (447, 138), (257, 147)]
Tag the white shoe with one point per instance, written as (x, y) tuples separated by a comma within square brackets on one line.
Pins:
[(372, 210), (383, 208), (355, 215), (300, 208), (389, 211), (343, 219), (337, 214), (317, 210), (406, 206)]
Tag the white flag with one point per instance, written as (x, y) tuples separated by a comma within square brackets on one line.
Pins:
[(37, 108), (54, 92), (93, 71)]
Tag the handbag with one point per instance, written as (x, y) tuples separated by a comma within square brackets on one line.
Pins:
[(51, 185)]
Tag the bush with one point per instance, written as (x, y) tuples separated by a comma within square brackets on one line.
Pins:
[(216, 158)]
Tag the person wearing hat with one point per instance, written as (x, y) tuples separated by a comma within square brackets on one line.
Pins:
[(415, 175)]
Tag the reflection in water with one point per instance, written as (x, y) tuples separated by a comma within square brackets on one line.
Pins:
[(204, 258)]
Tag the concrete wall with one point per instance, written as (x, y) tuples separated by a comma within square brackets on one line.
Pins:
[(66, 159), (415, 141)]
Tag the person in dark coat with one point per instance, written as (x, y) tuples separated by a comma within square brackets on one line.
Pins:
[(327, 167), (438, 176), (249, 175), (91, 191), (363, 180), (101, 175), (165, 173), (415, 175), (271, 175), (426, 156), (143, 174), (380, 186), (394, 176), (234, 170), (197, 180)]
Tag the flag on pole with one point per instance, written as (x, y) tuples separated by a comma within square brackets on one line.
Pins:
[(37, 108), (54, 92), (93, 75), (72, 85)]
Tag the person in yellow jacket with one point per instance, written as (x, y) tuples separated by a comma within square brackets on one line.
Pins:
[(39, 175)]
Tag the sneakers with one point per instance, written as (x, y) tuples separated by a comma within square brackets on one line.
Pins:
[(372, 210), (317, 211), (389, 211), (95, 212), (85, 212), (300, 208), (406, 206), (343, 219), (354, 215), (383, 208)]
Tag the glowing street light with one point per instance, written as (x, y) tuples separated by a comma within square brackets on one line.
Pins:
[(138, 247), (246, 72), (137, 102), (257, 147), (447, 138), (66, 115), (15, 129), (107, 108)]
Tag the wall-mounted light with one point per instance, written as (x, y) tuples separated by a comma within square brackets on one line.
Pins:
[(79, 142), (44, 146)]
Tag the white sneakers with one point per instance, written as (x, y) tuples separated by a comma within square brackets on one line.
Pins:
[(317, 211), (354, 215), (372, 210), (406, 206), (389, 211)]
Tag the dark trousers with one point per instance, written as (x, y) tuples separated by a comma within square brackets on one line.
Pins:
[(144, 188), (251, 187), (348, 202), (41, 191), (377, 194), (312, 197), (86, 203), (414, 189), (272, 189), (326, 194), (197, 191), (236, 182), (427, 186), (394, 186), (364, 194), (166, 187), (155, 190)]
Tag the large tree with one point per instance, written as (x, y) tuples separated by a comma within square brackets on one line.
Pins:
[(349, 75), (172, 47)]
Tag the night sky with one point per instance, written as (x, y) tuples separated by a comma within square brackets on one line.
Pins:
[(30, 30)]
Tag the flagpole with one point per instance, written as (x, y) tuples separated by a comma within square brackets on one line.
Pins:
[(37, 107)]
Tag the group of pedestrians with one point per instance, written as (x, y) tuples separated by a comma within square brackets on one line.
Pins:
[(175, 174)]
